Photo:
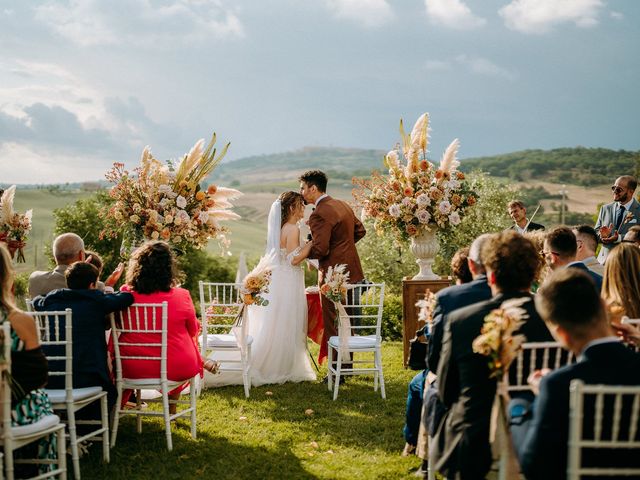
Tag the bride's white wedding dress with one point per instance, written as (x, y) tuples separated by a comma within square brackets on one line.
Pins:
[(279, 330)]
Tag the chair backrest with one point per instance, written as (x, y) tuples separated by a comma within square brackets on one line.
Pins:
[(613, 425), (535, 356), (364, 306), (5, 373), (55, 334), (139, 327), (219, 306)]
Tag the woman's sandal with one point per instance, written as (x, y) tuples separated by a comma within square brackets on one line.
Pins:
[(211, 366)]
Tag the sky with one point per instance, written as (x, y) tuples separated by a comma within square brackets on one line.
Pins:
[(85, 83)]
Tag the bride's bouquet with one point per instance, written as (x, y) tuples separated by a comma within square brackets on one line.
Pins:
[(334, 286), (256, 283), (14, 227), (162, 201), (416, 197)]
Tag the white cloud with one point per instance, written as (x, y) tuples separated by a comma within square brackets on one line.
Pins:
[(539, 16), (139, 22), (617, 15), (478, 65), (453, 14), (370, 13), (437, 65)]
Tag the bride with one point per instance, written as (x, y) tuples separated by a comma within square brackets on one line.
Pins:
[(279, 330)]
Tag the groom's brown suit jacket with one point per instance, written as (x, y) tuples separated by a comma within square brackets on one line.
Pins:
[(335, 230)]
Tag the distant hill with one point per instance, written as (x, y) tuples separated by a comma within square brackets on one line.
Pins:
[(575, 166)]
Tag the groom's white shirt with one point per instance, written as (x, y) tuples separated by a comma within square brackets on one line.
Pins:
[(324, 195)]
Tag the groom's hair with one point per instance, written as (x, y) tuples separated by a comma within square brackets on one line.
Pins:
[(315, 177)]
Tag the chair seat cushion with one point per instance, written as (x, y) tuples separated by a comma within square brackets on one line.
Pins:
[(57, 396), (224, 340), (355, 342), (44, 423)]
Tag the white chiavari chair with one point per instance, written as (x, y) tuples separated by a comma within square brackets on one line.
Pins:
[(535, 356)]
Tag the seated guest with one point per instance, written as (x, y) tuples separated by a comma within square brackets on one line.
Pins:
[(29, 402), (90, 310), (518, 214), (67, 248), (96, 260), (633, 235), (560, 247), (621, 284), (461, 446), (587, 240), (577, 318), (152, 278)]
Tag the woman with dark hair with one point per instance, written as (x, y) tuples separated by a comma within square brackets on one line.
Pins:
[(279, 351), (152, 278)]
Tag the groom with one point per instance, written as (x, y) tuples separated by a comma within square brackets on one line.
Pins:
[(335, 230)]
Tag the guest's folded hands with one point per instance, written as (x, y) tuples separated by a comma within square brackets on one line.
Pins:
[(535, 377)]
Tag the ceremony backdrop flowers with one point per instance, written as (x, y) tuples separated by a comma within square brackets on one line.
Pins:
[(14, 227), (166, 202), (415, 196)]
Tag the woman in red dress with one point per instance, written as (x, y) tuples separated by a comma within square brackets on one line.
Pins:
[(151, 278)]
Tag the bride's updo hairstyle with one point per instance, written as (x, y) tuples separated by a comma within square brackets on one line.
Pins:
[(289, 202)]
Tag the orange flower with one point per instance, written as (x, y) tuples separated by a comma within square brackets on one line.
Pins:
[(408, 191), (423, 165), (460, 176), (247, 299), (165, 234), (439, 174), (396, 186), (212, 189), (471, 200), (411, 230), (200, 196), (456, 199)]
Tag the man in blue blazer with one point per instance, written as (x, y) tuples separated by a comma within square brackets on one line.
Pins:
[(616, 218), (559, 249), (576, 316)]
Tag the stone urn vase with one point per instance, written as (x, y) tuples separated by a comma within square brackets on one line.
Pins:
[(424, 247)]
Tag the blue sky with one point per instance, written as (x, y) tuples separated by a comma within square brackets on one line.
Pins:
[(84, 83)]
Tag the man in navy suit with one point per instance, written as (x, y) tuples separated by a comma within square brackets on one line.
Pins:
[(616, 218), (576, 316), (560, 248)]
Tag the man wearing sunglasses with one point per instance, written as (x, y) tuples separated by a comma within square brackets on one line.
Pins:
[(617, 217)]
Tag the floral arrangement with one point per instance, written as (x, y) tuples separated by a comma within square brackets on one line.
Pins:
[(165, 202), (14, 227), (426, 306), (416, 197), (334, 286), (256, 283), (497, 340)]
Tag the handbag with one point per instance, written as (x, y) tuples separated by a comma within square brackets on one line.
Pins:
[(418, 352)]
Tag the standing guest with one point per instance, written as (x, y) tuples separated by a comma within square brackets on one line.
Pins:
[(29, 369), (576, 316), (152, 278), (616, 218), (67, 248), (559, 251), (518, 213), (461, 446), (633, 235), (587, 241), (90, 309), (621, 284)]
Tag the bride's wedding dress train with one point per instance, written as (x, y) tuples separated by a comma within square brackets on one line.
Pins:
[(279, 350)]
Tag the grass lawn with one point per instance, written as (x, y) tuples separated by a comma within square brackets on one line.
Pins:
[(270, 436)]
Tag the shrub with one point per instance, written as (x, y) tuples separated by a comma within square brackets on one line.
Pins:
[(392, 317)]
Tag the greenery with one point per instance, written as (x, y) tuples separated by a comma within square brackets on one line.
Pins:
[(270, 436), (577, 166), (392, 317)]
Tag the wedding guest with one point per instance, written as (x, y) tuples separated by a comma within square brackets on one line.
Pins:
[(559, 251), (518, 214), (67, 248), (621, 284), (90, 310), (460, 448), (633, 235), (576, 316), (587, 241), (537, 237), (96, 260), (152, 278), (29, 370), (616, 218), (460, 266)]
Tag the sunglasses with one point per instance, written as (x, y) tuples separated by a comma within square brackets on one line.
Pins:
[(616, 189)]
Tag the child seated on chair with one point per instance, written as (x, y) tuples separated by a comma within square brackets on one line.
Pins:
[(90, 310)]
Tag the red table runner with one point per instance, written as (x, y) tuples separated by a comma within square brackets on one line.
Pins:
[(315, 325)]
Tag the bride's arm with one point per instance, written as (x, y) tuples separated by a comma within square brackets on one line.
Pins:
[(293, 246)]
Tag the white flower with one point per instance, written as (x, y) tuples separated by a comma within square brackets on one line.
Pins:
[(444, 207), (423, 200), (394, 210), (168, 218), (452, 184), (182, 216), (164, 202), (423, 216), (155, 235), (134, 218), (392, 159), (203, 217), (181, 202), (454, 218), (164, 189), (406, 201)]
